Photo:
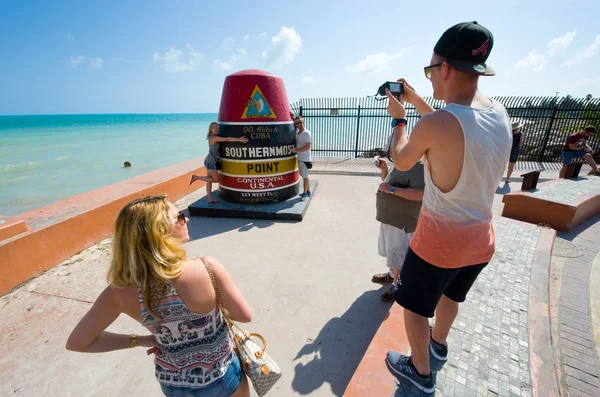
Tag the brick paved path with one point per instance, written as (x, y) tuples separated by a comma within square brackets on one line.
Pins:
[(568, 190), (489, 346), (489, 353), (578, 360)]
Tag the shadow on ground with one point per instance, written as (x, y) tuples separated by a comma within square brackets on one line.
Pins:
[(340, 346), (570, 236), (201, 227), (515, 185)]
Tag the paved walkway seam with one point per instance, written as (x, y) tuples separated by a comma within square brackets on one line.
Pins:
[(544, 376)]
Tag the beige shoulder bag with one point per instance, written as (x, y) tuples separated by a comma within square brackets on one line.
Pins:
[(256, 364)]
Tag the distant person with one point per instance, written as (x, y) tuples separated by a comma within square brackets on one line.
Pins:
[(127, 164), (152, 280), (303, 143), (517, 139), (576, 147), (466, 145), (398, 204), (213, 157)]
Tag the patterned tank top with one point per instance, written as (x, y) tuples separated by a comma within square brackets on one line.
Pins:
[(195, 349)]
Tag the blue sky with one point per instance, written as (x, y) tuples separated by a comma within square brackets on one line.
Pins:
[(173, 56)]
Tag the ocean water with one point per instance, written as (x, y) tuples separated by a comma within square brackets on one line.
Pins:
[(44, 159)]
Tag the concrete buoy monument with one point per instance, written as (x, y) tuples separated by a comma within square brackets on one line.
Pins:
[(258, 179), (254, 105)]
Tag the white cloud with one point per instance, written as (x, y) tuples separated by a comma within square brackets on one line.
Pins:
[(175, 60), (263, 35), (228, 65), (227, 42), (75, 61), (377, 63), (584, 55), (307, 79), (95, 63), (222, 65), (534, 60), (247, 37), (555, 47), (284, 47), (583, 83), (560, 44)]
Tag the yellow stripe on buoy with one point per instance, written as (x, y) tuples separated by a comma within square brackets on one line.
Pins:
[(263, 167)]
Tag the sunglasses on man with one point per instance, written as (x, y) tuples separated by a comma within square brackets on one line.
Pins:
[(429, 69)]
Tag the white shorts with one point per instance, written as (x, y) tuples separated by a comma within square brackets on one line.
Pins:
[(393, 245), (302, 169)]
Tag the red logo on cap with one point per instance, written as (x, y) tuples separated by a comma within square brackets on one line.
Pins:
[(483, 49)]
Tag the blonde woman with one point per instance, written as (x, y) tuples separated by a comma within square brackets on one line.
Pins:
[(210, 161), (152, 280)]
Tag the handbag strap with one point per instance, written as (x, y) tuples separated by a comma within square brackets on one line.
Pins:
[(213, 281), (259, 353), (217, 293)]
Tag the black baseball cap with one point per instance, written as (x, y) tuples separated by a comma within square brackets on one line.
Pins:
[(466, 47)]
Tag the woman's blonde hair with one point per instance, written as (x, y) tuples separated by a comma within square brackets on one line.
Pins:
[(144, 251), (210, 128)]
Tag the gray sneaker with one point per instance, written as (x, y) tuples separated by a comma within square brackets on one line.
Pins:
[(388, 295), (401, 367), (438, 354)]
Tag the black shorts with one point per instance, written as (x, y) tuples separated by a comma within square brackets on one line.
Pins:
[(514, 156), (422, 284)]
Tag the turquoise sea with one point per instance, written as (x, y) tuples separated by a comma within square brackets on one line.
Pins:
[(44, 159)]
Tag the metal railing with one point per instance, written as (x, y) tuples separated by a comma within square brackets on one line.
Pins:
[(360, 127)]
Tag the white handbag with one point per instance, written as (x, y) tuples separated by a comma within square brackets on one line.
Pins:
[(256, 364)]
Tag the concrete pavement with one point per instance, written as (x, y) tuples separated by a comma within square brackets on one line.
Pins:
[(308, 284)]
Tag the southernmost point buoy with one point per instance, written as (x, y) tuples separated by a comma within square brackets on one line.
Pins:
[(254, 105)]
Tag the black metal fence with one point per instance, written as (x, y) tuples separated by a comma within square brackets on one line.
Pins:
[(360, 127)]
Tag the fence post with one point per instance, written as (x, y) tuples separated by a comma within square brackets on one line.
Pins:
[(357, 129), (548, 132), (300, 110)]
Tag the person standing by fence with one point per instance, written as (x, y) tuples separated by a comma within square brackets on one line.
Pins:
[(466, 145), (517, 139), (302, 149)]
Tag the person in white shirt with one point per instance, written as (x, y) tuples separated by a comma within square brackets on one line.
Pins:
[(303, 141)]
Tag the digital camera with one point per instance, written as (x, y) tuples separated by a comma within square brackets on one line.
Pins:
[(396, 88)]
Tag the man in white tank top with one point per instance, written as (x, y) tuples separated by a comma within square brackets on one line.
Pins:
[(466, 146)]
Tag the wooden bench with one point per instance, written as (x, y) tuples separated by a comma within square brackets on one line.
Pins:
[(530, 179), (573, 169)]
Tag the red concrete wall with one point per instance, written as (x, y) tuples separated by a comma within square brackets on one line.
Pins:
[(63, 229), (10, 229), (562, 217)]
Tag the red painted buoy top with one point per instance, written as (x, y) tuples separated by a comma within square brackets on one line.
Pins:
[(254, 96)]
